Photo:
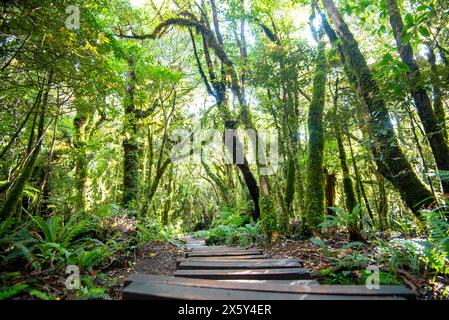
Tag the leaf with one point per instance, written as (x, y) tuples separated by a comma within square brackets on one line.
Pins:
[(423, 8), (352, 245), (424, 31), (12, 291), (340, 211), (409, 19), (40, 294)]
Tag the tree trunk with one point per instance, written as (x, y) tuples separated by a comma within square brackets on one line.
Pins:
[(315, 180), (130, 143), (389, 157), (268, 218), (218, 90), (434, 130), (80, 122), (167, 204), (350, 200), (14, 196), (437, 94), (382, 209), (359, 182), (330, 185)]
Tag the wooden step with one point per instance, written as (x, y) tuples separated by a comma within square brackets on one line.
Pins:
[(233, 259), (206, 253), (147, 291), (226, 258), (239, 264), (228, 250), (283, 286), (259, 285), (159, 290), (223, 248), (262, 274), (283, 282)]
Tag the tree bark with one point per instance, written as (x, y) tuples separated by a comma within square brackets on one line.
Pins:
[(80, 122), (130, 143), (315, 180), (330, 186), (389, 157), (434, 130), (219, 93), (437, 94), (14, 196)]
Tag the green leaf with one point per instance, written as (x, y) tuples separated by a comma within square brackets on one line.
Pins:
[(40, 294), (423, 8), (424, 31), (410, 21), (12, 291)]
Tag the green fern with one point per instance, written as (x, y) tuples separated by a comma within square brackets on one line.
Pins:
[(12, 291)]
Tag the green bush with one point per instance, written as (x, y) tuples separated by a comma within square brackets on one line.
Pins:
[(232, 231), (430, 253)]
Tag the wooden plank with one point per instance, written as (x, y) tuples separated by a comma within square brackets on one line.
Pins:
[(282, 286), (257, 258), (276, 282), (223, 253), (224, 248), (149, 291), (233, 259), (252, 251), (204, 265), (221, 258), (264, 274), (234, 284)]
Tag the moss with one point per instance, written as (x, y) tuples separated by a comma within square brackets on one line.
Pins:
[(80, 122), (315, 180), (268, 219), (130, 145), (390, 159), (290, 185)]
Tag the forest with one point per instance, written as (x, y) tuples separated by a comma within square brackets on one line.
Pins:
[(314, 129)]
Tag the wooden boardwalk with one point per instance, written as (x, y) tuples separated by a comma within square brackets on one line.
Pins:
[(228, 273)]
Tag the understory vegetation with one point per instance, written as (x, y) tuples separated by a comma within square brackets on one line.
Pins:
[(310, 128)]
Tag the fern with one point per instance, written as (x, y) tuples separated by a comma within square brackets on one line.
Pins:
[(12, 291)]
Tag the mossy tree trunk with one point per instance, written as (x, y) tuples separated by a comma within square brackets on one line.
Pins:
[(437, 93), (315, 180), (80, 123), (434, 130), (330, 190), (215, 83), (389, 157), (350, 199), (130, 143), (268, 217), (13, 198)]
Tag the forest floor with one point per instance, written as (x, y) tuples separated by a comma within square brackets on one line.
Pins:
[(324, 262), (328, 265), (330, 262), (155, 258)]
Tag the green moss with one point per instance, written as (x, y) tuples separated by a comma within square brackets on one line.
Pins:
[(268, 217), (315, 180)]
